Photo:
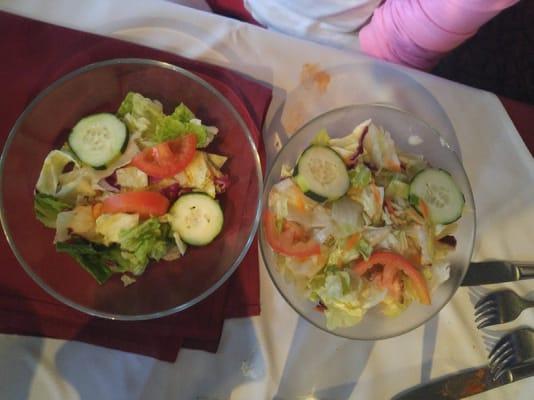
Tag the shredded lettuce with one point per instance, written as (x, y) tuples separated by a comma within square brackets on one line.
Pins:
[(349, 146), (412, 164), (360, 176), (322, 138), (397, 189), (148, 240), (347, 215), (365, 248), (385, 176), (380, 149), (335, 289), (423, 237), (392, 307), (47, 208), (371, 198)]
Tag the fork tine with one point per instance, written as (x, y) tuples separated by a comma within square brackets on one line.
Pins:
[(503, 366), (486, 313), (498, 360), (487, 305), (490, 298), (501, 346), (488, 322)]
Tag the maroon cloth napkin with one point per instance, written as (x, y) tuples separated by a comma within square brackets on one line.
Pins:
[(34, 55), (521, 115)]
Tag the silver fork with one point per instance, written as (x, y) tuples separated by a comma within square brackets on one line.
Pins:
[(511, 350), (499, 307)]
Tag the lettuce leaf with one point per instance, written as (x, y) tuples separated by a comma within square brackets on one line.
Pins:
[(364, 248), (380, 148), (100, 261), (131, 177), (146, 116), (349, 147), (322, 138), (335, 289), (53, 166), (140, 114), (173, 127), (111, 225), (360, 176), (145, 241), (347, 215), (47, 208)]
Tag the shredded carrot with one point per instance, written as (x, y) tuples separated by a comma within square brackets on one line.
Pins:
[(390, 207), (424, 209), (353, 241), (393, 166), (376, 193), (300, 202), (97, 210)]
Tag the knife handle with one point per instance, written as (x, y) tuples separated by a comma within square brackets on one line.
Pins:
[(526, 270)]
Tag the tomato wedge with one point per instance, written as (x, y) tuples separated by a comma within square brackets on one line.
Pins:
[(146, 204), (292, 241), (168, 158), (393, 262)]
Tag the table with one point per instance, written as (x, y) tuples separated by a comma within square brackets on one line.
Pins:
[(278, 355)]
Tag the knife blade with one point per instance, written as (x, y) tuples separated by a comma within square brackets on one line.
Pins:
[(465, 383), (486, 272)]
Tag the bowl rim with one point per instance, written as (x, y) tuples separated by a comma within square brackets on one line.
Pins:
[(445, 145), (150, 63)]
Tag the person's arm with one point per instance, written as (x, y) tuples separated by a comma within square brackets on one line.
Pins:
[(418, 33)]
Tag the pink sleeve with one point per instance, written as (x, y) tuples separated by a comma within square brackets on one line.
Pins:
[(418, 33)]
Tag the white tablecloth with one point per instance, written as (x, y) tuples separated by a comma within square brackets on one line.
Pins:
[(279, 355)]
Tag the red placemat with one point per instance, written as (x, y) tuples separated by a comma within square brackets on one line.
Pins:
[(36, 54)]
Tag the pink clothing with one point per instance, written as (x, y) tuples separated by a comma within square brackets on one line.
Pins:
[(419, 32)]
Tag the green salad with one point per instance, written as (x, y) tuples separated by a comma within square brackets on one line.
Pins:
[(359, 224), (132, 187)]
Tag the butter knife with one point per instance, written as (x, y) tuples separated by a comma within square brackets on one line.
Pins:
[(486, 272), (465, 383)]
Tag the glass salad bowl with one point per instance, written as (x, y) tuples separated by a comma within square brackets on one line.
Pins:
[(411, 135), (165, 287)]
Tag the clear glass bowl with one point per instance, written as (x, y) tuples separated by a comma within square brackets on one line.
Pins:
[(166, 287), (402, 126)]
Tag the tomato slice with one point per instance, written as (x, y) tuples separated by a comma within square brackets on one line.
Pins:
[(393, 262), (146, 204), (292, 241), (168, 158)]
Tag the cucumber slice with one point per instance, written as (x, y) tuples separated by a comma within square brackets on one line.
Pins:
[(98, 139), (438, 190), (321, 174), (197, 218)]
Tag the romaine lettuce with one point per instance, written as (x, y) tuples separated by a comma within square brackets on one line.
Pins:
[(100, 261), (47, 208), (146, 116), (148, 240), (111, 225)]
